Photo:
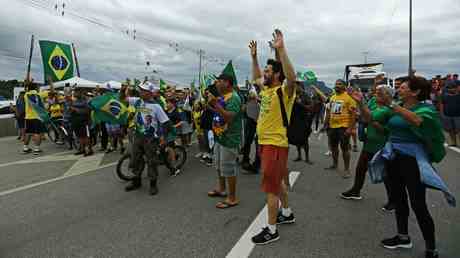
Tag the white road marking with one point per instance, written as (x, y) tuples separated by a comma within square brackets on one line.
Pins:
[(456, 149), (85, 164), (22, 188), (244, 246), (8, 138), (47, 158)]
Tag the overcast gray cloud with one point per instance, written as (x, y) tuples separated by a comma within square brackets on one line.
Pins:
[(322, 36)]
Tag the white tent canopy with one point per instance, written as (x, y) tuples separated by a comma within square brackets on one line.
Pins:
[(77, 82), (113, 85)]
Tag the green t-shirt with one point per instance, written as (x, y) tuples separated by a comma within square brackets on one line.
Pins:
[(430, 133), (372, 103), (231, 137), (400, 130), (376, 139)]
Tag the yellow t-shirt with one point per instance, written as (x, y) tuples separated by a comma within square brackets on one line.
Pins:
[(56, 110), (342, 109), (270, 128), (34, 96)]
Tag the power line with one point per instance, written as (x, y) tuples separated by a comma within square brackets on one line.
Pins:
[(172, 44)]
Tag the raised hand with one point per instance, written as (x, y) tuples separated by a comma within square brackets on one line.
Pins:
[(278, 39), (379, 79), (253, 48), (357, 96)]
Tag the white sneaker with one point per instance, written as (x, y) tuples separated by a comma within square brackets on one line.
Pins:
[(328, 153), (199, 155)]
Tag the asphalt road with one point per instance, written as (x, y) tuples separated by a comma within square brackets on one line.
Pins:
[(58, 205)]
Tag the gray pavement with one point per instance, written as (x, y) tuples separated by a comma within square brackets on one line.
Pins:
[(83, 211)]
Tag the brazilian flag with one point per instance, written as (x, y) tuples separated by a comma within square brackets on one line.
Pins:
[(108, 109), (57, 60)]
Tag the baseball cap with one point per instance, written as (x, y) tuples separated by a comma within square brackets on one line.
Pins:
[(149, 86)]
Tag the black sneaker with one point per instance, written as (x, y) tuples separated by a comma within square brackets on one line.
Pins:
[(389, 207), (281, 219), (37, 151), (174, 172), (350, 195), (208, 161), (26, 150), (397, 242), (265, 237), (431, 254)]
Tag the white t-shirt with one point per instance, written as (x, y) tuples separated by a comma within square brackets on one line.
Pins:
[(148, 115)]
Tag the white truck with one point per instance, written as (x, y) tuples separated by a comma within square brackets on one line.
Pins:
[(362, 75)]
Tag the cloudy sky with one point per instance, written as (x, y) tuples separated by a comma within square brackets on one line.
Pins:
[(322, 36)]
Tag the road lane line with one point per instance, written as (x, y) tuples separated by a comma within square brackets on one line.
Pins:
[(85, 164), (26, 187), (9, 138), (33, 160), (244, 246), (456, 149)]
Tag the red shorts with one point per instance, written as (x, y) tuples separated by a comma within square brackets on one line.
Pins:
[(274, 167)]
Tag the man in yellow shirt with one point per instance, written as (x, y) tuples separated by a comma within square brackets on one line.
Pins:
[(341, 120), (272, 133), (35, 115)]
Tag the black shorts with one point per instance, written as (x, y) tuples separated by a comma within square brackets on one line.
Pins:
[(338, 136), (21, 122), (34, 126)]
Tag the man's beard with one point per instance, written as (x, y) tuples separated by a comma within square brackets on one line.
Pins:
[(268, 81)]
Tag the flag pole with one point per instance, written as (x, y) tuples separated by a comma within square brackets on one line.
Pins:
[(199, 74), (76, 60), (30, 57), (411, 72)]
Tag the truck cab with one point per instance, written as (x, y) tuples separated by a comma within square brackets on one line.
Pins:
[(362, 75)]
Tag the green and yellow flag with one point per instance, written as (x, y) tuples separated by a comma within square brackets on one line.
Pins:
[(108, 109), (163, 85), (57, 60)]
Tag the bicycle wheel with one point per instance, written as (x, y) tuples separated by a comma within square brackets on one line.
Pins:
[(68, 137), (52, 133), (123, 171), (181, 157)]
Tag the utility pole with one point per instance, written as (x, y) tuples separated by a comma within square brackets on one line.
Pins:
[(30, 57), (365, 53), (199, 71), (410, 39)]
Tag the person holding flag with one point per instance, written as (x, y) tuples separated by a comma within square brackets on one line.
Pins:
[(35, 116)]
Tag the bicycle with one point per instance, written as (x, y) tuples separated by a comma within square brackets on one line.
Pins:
[(58, 134), (125, 173)]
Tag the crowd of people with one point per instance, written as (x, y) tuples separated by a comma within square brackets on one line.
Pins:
[(400, 127)]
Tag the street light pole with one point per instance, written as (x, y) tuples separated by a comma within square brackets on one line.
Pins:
[(410, 39), (365, 53)]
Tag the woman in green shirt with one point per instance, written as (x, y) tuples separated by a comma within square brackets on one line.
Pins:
[(376, 115), (415, 141)]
